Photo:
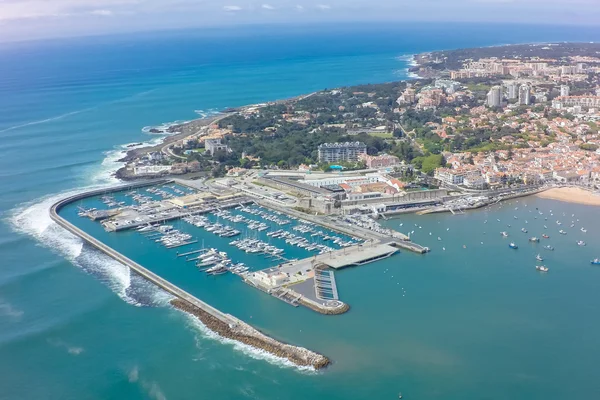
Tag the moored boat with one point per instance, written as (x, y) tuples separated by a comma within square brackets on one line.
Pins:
[(512, 245), (595, 261), (541, 268)]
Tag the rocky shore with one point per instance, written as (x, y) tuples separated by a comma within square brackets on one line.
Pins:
[(246, 334), (175, 132)]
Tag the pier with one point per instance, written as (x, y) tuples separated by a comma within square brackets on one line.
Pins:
[(224, 324)]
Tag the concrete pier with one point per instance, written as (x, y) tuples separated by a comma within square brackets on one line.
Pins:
[(222, 323)]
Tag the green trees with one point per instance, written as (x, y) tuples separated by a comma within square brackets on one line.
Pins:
[(428, 164), (588, 146)]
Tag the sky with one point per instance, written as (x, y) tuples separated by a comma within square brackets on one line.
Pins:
[(34, 19)]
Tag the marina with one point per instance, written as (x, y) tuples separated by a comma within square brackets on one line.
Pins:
[(288, 255)]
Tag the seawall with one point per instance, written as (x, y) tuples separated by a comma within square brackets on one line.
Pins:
[(221, 323)]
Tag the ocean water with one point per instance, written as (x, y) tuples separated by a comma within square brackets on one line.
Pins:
[(461, 323)]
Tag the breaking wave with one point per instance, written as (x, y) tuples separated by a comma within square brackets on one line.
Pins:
[(34, 220)]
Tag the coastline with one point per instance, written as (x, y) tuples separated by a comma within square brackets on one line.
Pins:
[(571, 195)]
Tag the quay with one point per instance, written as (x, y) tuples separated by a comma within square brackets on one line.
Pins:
[(224, 324)]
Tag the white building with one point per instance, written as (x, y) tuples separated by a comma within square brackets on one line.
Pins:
[(494, 96), (564, 91), (512, 91), (524, 95), (348, 151)]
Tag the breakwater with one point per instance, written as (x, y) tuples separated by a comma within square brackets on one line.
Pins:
[(246, 334), (221, 323)]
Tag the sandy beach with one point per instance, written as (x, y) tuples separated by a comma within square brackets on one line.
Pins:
[(572, 195)]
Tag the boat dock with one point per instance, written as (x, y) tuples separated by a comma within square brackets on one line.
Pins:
[(130, 218)]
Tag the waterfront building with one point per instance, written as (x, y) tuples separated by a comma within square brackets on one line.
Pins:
[(494, 96), (450, 176), (150, 169), (524, 95), (334, 152)]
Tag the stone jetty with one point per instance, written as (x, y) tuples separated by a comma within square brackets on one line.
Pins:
[(244, 333)]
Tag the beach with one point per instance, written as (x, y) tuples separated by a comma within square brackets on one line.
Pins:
[(571, 195)]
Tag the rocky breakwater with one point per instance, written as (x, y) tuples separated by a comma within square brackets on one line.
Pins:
[(244, 333)]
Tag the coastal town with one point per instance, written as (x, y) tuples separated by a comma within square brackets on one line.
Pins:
[(524, 118), (283, 195)]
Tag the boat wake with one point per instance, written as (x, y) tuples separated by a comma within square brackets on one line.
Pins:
[(34, 220), (253, 352), (43, 121)]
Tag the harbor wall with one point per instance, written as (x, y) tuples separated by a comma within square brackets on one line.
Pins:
[(225, 324)]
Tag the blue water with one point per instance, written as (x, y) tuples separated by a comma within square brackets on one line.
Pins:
[(469, 323)]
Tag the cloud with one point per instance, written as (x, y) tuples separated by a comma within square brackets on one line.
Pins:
[(299, 7), (232, 8), (268, 7), (104, 13), (323, 7)]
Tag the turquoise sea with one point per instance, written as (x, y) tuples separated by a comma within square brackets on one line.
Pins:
[(460, 323)]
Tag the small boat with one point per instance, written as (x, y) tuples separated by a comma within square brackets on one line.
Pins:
[(595, 261), (562, 232), (545, 236), (534, 239), (581, 243), (583, 230), (541, 268), (523, 230), (539, 258), (504, 234), (549, 247), (512, 245), (399, 395)]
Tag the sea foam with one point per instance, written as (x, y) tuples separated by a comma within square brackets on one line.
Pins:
[(34, 220), (252, 352)]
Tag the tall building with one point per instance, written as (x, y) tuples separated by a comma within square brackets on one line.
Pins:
[(349, 151), (564, 90), (494, 96), (512, 91), (524, 95)]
